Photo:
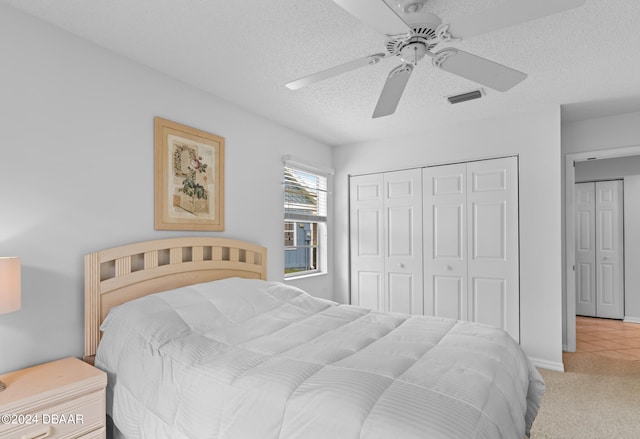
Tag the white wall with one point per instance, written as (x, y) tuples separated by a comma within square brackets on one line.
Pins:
[(76, 173), (601, 133), (535, 138), (632, 249), (597, 134), (606, 169)]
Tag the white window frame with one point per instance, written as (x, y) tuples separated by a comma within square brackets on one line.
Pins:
[(320, 221)]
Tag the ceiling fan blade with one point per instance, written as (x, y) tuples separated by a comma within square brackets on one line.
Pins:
[(335, 71), (376, 14), (508, 14), (392, 90), (478, 69)]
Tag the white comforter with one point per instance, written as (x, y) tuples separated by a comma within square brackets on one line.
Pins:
[(252, 359)]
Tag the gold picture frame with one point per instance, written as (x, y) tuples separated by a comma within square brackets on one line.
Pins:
[(189, 178)]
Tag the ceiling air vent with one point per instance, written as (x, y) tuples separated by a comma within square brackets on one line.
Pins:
[(475, 94)]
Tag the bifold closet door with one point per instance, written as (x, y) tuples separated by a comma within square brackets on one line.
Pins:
[(471, 242), (366, 213), (445, 241), (386, 241), (403, 241), (600, 249), (493, 252), (585, 249), (609, 250)]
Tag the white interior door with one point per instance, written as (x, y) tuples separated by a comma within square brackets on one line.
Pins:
[(367, 241), (445, 241), (585, 249), (471, 242), (600, 249), (403, 241), (609, 250), (386, 241), (493, 253)]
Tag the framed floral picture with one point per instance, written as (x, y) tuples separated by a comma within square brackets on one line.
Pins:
[(189, 178)]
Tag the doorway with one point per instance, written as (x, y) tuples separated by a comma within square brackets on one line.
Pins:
[(570, 235), (599, 249)]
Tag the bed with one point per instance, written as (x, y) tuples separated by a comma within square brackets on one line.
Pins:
[(198, 344)]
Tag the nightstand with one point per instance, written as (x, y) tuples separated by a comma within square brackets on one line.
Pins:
[(61, 399)]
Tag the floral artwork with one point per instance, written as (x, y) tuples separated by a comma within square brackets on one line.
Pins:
[(189, 168), (188, 178)]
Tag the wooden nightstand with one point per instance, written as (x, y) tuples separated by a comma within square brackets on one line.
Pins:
[(61, 399)]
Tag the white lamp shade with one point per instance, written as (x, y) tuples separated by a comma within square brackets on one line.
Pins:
[(9, 285)]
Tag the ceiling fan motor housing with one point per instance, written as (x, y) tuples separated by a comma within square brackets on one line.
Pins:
[(423, 37)]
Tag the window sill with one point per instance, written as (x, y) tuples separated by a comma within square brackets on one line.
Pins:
[(305, 276)]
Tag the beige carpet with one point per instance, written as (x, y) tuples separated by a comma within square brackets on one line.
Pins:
[(595, 398)]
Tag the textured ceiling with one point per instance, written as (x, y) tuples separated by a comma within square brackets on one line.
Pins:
[(587, 59)]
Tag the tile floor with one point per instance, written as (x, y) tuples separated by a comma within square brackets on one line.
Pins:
[(609, 338)]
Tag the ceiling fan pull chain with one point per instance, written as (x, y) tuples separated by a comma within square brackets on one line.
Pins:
[(443, 35)]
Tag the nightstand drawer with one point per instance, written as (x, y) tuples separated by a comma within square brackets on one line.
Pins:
[(69, 419), (60, 399), (97, 434)]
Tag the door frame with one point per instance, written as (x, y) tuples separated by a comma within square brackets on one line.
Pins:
[(570, 238)]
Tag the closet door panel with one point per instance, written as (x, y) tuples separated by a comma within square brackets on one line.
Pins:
[(489, 231), (492, 224), (401, 291), (585, 249), (488, 302), (367, 241), (445, 236), (403, 241), (369, 293), (448, 229), (609, 257), (401, 231), (448, 297)]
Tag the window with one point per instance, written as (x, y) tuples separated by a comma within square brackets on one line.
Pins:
[(305, 221)]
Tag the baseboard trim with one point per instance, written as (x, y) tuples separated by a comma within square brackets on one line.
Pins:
[(631, 319), (545, 364)]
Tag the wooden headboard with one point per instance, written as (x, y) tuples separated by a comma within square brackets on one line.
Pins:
[(120, 274)]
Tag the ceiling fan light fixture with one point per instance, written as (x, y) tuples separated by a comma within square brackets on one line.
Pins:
[(464, 97)]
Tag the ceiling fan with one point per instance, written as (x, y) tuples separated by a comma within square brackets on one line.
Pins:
[(413, 33)]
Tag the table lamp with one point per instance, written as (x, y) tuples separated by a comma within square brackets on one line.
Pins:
[(9, 289)]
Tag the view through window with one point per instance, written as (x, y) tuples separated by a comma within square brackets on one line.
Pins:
[(305, 221)]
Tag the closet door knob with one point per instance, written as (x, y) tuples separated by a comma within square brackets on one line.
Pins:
[(400, 265), (449, 267)]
